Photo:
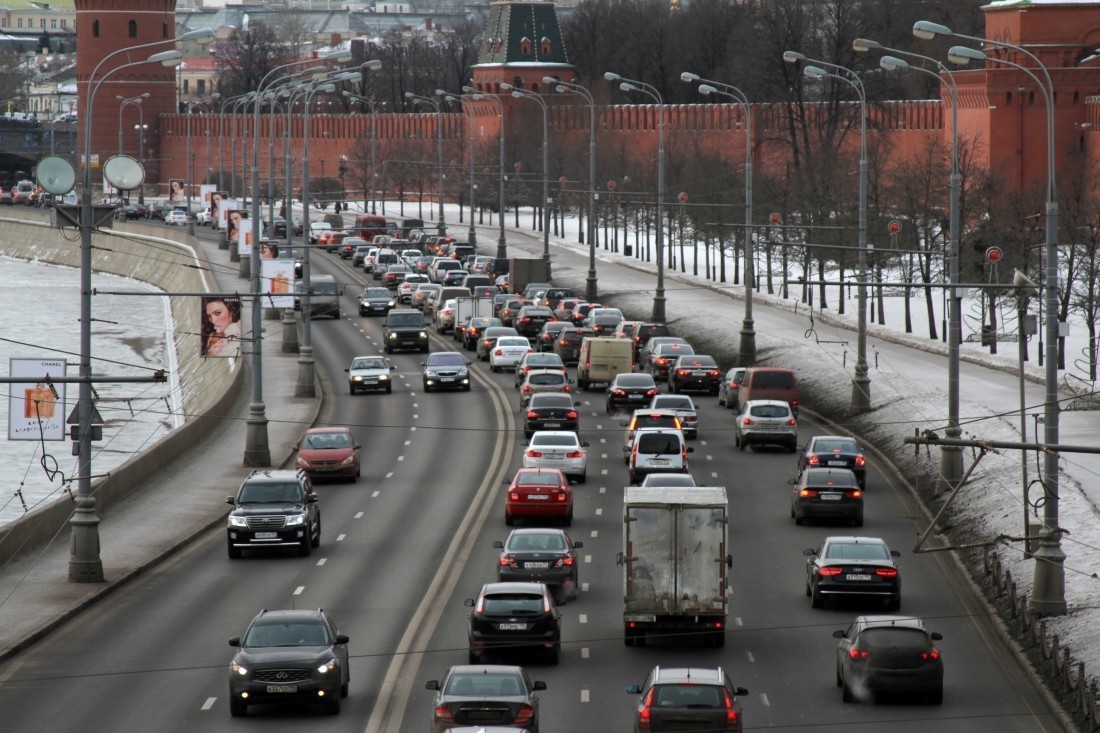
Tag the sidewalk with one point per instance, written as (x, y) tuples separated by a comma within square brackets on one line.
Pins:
[(35, 593)]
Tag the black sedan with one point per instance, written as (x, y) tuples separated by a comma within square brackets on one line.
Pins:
[(888, 654), (134, 211), (446, 370), (538, 555), (514, 617), (531, 318), (568, 345), (834, 451), (375, 301), (695, 372), (827, 493), (550, 411), (853, 566), (485, 695), (630, 389), (475, 327), (544, 340)]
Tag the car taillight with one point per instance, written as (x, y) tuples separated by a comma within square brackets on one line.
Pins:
[(808, 493), (662, 361), (713, 373), (645, 715), (886, 572), (682, 372), (930, 656), (813, 460), (861, 461), (747, 421), (563, 562), (574, 454), (480, 608), (731, 711), (571, 415), (499, 352), (525, 319), (547, 606), (526, 388), (509, 562), (853, 494), (443, 714), (565, 388), (618, 392), (830, 571), (534, 454), (792, 422), (562, 497), (525, 714), (563, 342), (488, 342), (857, 654), (651, 392), (532, 415)]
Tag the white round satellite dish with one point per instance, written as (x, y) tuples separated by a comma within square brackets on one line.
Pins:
[(56, 175), (123, 172)]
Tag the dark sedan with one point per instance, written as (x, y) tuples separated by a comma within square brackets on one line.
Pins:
[(696, 372), (475, 327), (446, 370), (514, 617), (630, 389), (485, 696), (568, 344), (540, 555), (545, 338), (531, 318), (375, 301), (827, 493), (550, 411), (853, 566), (834, 451), (605, 324)]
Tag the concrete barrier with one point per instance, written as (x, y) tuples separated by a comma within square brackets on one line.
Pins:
[(163, 258)]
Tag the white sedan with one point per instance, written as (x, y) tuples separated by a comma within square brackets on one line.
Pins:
[(508, 352), (560, 449)]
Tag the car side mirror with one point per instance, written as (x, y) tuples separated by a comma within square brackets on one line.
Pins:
[(895, 553), (393, 369), (936, 636), (347, 370), (626, 449), (230, 500), (690, 449), (342, 639), (235, 641), (620, 559), (423, 363), (578, 545), (839, 634), (356, 446), (623, 423), (538, 685), (729, 561), (792, 481), (809, 552), (498, 544), (634, 689), (740, 691), (468, 602), (585, 444), (311, 498), (431, 685)]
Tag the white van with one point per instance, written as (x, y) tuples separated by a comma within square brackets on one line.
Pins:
[(657, 450), (382, 261), (602, 358)]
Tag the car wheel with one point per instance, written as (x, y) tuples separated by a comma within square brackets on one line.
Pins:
[(583, 478), (427, 388), (718, 639), (673, 388), (528, 433), (792, 447), (741, 442), (509, 520), (629, 638), (721, 402), (305, 549), (336, 315), (839, 681), (237, 708), (332, 707), (894, 604), (568, 520), (494, 368), (234, 552), (424, 349), (799, 521), (474, 657), (389, 389), (553, 655), (846, 693), (466, 388), (345, 688), (351, 390), (388, 350), (858, 521), (936, 696), (816, 599)]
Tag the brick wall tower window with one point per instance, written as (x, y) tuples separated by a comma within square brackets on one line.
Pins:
[(133, 29), (545, 46), (525, 46), (95, 28)]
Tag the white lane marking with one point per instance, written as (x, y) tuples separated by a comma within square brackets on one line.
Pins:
[(603, 489), (764, 699), (702, 442), (390, 474), (408, 442), (374, 495), (412, 429), (340, 537), (587, 559), (595, 533), (584, 652), (598, 426), (584, 695), (582, 618), (603, 471), (710, 457), (584, 587), (750, 657), (401, 458), (603, 456), (322, 561), (415, 404), (737, 620), (209, 703), (603, 440), (359, 515), (298, 591), (714, 474), (599, 511), (415, 417)]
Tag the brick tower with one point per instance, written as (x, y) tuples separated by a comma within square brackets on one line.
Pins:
[(522, 44), (103, 27)]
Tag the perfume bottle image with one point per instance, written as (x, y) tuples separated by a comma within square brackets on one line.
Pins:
[(39, 402)]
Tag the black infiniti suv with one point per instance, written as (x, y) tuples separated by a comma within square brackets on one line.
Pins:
[(274, 509)]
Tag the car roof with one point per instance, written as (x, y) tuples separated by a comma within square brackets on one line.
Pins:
[(514, 587), (290, 614), (536, 530), (881, 621), (774, 403), (657, 412), (539, 372), (273, 475), (825, 473), (697, 675)]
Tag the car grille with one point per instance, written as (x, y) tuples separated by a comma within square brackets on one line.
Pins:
[(281, 675), (275, 522), (451, 373)]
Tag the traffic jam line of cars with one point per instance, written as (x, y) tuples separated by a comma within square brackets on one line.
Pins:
[(517, 612)]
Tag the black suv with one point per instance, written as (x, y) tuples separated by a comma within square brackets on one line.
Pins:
[(684, 698), (274, 509), (405, 329), (289, 656), (514, 616)]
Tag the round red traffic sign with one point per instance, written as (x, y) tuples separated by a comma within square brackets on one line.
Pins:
[(683, 197), (775, 218), (895, 226), (611, 185), (994, 254), (517, 165)]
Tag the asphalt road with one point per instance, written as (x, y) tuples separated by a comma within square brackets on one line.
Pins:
[(410, 540)]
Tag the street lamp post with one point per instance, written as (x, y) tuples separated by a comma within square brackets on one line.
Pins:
[(502, 242), (632, 85), (126, 102), (861, 382), (524, 94), (747, 353), (141, 127), (590, 282), (1048, 595), (441, 229), (951, 457), (373, 138), (472, 232), (85, 563)]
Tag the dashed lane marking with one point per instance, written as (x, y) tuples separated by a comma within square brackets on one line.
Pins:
[(374, 495), (584, 695), (359, 515), (389, 475), (209, 703), (299, 590), (584, 652), (764, 699), (582, 618), (750, 657), (340, 537), (599, 511), (584, 587), (587, 559), (322, 561), (595, 533)]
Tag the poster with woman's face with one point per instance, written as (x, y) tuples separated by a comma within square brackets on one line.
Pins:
[(233, 218), (221, 326), (217, 202), (177, 190), (224, 207)]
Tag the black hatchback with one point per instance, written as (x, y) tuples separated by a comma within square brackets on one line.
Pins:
[(568, 344), (550, 411), (834, 451), (517, 617)]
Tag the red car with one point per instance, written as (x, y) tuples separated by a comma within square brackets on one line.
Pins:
[(539, 494), (329, 452)]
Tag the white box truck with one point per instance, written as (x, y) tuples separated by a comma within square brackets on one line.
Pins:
[(676, 563), (467, 308)]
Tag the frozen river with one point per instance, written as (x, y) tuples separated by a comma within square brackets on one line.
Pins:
[(129, 335)]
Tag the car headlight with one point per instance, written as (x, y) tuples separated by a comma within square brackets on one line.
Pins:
[(238, 669), (302, 462), (391, 304), (357, 378), (429, 374), (348, 461), (423, 334), (235, 521), (383, 377), (327, 666), (295, 520)]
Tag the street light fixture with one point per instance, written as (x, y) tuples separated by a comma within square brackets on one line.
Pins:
[(126, 102), (373, 140), (441, 229), (747, 353), (861, 382), (524, 94), (453, 99), (502, 242), (1048, 595), (631, 85), (590, 283)]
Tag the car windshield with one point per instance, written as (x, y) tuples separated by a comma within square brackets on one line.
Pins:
[(657, 421), (377, 363), (674, 403), (546, 379), (484, 685), (326, 288), (269, 493), (328, 441), (546, 541), (634, 380), (674, 349), (553, 441), (512, 603), (513, 341), (406, 319), (856, 551), (769, 411), (376, 293), (835, 445), (543, 360), (551, 400), (537, 478), (894, 637), (297, 633), (446, 359), (688, 696), (658, 444), (669, 479), (698, 361)]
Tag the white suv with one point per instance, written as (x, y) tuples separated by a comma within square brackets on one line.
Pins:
[(766, 422)]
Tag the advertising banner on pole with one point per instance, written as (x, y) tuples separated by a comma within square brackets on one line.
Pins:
[(36, 411), (221, 326), (277, 283), (224, 207), (244, 237)]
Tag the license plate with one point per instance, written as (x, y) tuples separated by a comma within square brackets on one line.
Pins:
[(552, 425), (447, 379), (838, 463), (537, 565), (512, 627), (266, 535), (282, 689), (765, 426), (658, 462), (860, 577), (637, 396), (537, 497), (830, 497)]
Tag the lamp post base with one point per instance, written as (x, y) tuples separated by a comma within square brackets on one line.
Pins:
[(85, 564), (861, 394), (234, 253), (746, 354), (257, 452), (290, 332), (305, 387), (1048, 593), (659, 307), (951, 465), (245, 271), (502, 247), (590, 287), (472, 234)]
